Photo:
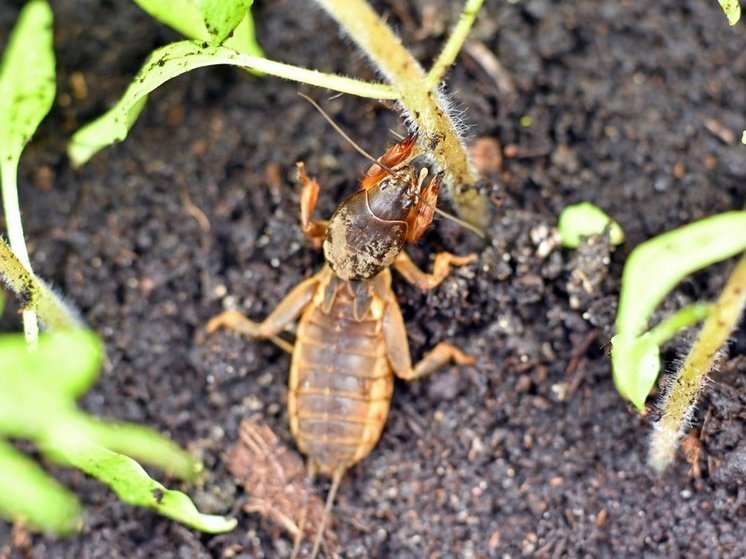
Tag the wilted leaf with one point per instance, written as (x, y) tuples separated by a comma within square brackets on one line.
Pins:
[(275, 480)]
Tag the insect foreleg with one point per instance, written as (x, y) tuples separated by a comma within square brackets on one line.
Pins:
[(441, 269), (312, 229)]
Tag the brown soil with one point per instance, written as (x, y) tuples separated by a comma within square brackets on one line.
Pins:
[(633, 106)]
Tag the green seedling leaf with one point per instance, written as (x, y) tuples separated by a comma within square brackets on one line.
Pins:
[(182, 57), (27, 89), (584, 220), (656, 266), (147, 446), (186, 17), (110, 128), (222, 16), (133, 485), (66, 364), (636, 364), (38, 389), (652, 270), (732, 9), (28, 494), (636, 360), (27, 83)]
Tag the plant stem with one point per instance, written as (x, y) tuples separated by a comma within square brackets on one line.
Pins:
[(678, 403), (341, 84), (455, 42), (8, 179), (425, 106), (35, 296)]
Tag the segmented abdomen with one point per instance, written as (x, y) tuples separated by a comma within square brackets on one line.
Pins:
[(340, 386)]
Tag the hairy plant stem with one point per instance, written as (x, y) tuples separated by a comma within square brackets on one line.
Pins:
[(455, 42), (419, 94), (334, 82), (35, 296), (678, 403), (9, 181)]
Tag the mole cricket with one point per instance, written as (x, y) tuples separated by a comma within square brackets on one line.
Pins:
[(351, 338)]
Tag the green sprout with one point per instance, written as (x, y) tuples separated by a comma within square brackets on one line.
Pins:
[(27, 89), (683, 391), (732, 9), (418, 92), (652, 270), (37, 402), (215, 21), (583, 220), (41, 377)]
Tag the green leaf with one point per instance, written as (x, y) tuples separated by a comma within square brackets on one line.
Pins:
[(27, 83), (108, 129), (133, 485), (27, 89), (636, 360), (222, 16), (655, 267), (186, 17), (28, 494), (147, 446), (636, 364), (652, 270), (37, 402), (182, 57), (583, 220), (37, 384), (732, 9)]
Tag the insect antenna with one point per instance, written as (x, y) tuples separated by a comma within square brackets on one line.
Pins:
[(465, 224), (342, 133), (368, 156), (336, 478)]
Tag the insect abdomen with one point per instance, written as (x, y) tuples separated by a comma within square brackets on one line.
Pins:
[(340, 386)]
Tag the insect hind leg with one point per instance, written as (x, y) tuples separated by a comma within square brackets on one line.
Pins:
[(336, 479)]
